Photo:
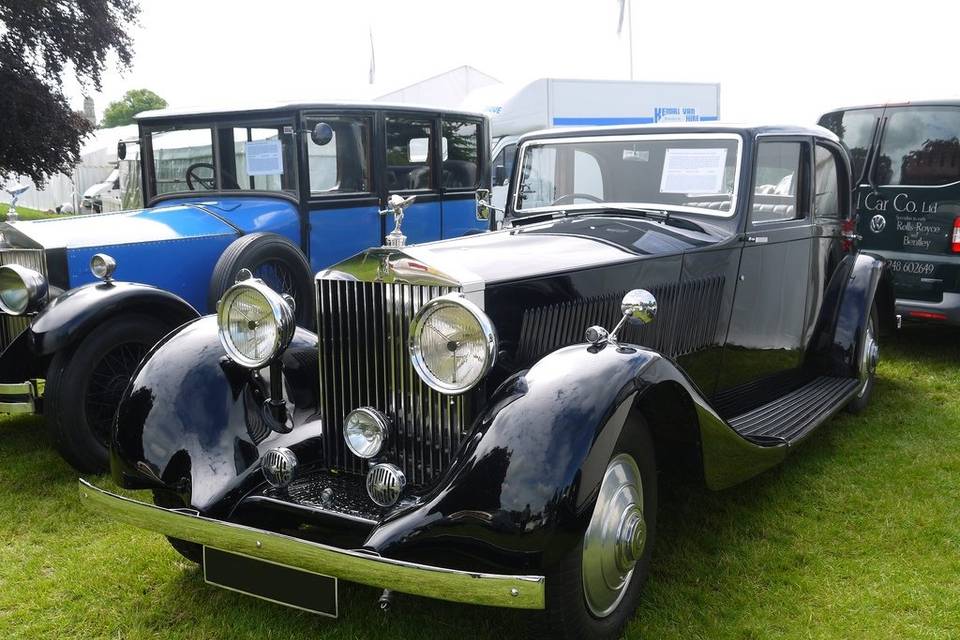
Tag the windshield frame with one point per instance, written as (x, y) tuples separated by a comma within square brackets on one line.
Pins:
[(541, 142)]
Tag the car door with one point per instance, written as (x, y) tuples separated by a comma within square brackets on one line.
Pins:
[(343, 203), (463, 169), (411, 169), (764, 343)]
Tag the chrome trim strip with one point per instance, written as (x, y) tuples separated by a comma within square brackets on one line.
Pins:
[(499, 590), (24, 394)]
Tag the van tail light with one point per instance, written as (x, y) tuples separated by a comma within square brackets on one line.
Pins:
[(927, 315), (955, 241)]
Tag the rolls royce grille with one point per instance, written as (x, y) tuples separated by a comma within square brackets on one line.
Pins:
[(363, 329), (13, 326)]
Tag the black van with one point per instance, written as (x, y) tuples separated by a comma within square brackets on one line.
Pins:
[(906, 158)]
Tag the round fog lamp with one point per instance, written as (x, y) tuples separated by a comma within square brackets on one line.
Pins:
[(365, 431), (21, 289), (102, 266), (255, 323)]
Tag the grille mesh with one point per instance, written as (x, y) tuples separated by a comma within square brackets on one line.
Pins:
[(363, 329)]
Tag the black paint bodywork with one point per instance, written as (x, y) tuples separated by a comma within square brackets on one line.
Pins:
[(520, 489)]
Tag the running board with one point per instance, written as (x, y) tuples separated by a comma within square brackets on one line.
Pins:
[(791, 418)]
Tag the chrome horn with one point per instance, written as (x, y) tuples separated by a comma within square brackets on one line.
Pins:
[(639, 306)]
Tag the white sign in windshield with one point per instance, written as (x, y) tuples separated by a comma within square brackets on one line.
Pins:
[(693, 171), (264, 157)]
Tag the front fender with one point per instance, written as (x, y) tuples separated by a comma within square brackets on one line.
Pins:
[(191, 422), (525, 483), (75, 313)]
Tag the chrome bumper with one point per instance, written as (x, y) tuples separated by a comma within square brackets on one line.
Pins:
[(20, 398), (517, 592)]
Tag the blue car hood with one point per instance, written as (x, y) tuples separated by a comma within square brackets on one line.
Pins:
[(121, 228)]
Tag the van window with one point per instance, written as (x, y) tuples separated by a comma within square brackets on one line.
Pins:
[(920, 147), (775, 182), (503, 165), (461, 161), (855, 128), (826, 198), (343, 164), (409, 150)]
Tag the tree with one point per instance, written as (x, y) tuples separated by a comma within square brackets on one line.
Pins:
[(39, 39), (121, 112)]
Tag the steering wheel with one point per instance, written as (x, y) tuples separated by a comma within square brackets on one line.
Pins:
[(570, 197), (209, 183)]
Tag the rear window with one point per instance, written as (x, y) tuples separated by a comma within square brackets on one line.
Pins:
[(855, 128), (920, 147)]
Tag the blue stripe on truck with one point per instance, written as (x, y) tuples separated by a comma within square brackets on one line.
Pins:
[(574, 122)]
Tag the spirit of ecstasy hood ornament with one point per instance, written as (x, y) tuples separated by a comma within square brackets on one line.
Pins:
[(395, 205)]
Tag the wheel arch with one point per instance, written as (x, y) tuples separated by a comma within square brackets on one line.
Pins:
[(72, 316)]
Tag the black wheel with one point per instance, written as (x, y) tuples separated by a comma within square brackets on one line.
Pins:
[(85, 383), (868, 355), (595, 590), (273, 259), (189, 550)]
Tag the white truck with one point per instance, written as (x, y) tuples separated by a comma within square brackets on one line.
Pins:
[(557, 102)]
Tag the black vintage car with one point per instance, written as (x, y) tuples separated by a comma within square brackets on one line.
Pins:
[(483, 419)]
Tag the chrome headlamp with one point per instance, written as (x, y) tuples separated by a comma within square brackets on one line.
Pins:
[(452, 343), (22, 290), (255, 323), (102, 267), (365, 430)]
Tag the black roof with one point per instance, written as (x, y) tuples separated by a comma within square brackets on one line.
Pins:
[(688, 127), (947, 102), (278, 108)]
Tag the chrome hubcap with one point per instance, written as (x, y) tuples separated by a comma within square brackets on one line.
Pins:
[(869, 357), (615, 538)]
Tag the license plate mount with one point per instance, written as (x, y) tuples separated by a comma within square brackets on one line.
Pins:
[(279, 583)]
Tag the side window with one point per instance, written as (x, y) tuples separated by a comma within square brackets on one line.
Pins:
[(920, 146), (776, 182), (409, 150), (461, 155), (263, 160), (177, 150), (538, 177), (503, 165), (342, 165), (855, 128), (826, 196)]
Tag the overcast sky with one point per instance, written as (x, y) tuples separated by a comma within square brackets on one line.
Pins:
[(776, 61)]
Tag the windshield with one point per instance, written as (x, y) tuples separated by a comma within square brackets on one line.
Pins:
[(680, 172)]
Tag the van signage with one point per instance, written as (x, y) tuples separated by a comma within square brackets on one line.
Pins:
[(901, 203)]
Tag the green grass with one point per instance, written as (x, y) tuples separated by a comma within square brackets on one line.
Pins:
[(25, 213), (857, 535)]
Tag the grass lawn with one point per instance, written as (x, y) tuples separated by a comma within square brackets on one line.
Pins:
[(856, 536), (25, 213)]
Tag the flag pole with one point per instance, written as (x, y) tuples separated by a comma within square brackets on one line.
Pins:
[(630, 34)]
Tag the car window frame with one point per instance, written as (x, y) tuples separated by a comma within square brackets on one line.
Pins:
[(373, 188), (844, 180), (804, 204)]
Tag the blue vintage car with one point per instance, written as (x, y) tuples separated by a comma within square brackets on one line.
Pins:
[(282, 192)]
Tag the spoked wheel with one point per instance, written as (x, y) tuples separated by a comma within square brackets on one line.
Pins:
[(595, 589), (85, 384), (106, 385), (868, 356), (273, 259)]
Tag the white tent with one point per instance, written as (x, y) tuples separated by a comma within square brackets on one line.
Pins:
[(98, 158), (447, 89)]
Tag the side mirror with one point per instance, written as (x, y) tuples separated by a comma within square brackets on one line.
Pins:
[(483, 204), (121, 150), (639, 306), (321, 134)]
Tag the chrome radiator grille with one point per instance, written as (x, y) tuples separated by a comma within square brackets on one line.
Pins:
[(363, 329), (12, 326)]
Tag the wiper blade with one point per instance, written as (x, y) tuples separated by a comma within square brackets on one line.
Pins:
[(661, 215)]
